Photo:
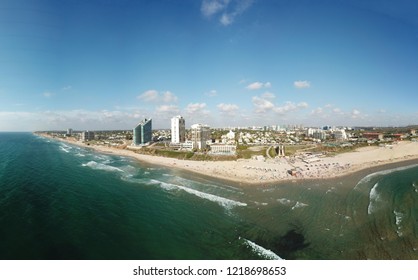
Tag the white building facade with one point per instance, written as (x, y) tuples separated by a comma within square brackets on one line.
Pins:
[(178, 130), (340, 135), (219, 149)]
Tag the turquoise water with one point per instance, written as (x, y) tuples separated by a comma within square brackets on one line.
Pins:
[(59, 201)]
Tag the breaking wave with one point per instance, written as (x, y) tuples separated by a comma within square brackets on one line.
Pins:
[(299, 205), (65, 148), (373, 199), (399, 216), (369, 177), (100, 166), (294, 204), (224, 202), (261, 251)]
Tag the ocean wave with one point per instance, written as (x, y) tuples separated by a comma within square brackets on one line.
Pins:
[(101, 166), (260, 203), (299, 205), (187, 183), (64, 149), (103, 157), (399, 216), (374, 198), (224, 202), (294, 204), (285, 201), (330, 190), (261, 251), (369, 177)]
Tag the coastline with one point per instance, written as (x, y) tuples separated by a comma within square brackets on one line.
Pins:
[(254, 172)]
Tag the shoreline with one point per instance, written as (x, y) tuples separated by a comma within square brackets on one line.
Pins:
[(254, 172)]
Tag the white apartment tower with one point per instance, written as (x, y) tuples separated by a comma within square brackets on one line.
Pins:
[(178, 130)]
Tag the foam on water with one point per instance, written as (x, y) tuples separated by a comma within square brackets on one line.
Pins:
[(64, 149), (330, 190), (373, 199), (294, 204), (187, 182), (299, 205), (224, 202), (100, 166), (286, 201), (261, 203), (261, 251), (102, 157), (398, 220), (369, 177)]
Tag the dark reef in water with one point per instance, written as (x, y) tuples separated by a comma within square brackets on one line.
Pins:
[(286, 245), (290, 243)]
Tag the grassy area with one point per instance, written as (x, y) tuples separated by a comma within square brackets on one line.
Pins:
[(332, 151), (185, 155), (247, 152), (290, 150)]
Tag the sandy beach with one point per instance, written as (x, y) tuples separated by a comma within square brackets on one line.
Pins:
[(251, 171)]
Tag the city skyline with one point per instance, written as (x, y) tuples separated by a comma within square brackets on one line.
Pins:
[(95, 65)]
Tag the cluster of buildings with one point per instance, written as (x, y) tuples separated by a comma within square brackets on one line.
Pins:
[(199, 139)]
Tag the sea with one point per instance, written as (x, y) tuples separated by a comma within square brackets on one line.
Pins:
[(61, 201)]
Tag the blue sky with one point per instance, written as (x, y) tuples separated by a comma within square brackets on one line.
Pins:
[(107, 64)]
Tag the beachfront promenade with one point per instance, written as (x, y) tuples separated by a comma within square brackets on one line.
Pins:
[(273, 170)]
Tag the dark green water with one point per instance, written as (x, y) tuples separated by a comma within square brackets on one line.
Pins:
[(65, 202)]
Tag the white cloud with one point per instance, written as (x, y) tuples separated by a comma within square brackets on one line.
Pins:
[(169, 97), (268, 95), (317, 111), (61, 120), (226, 19), (227, 9), (212, 93), (193, 108), (355, 114), (149, 95), (211, 7), (302, 84), (290, 107), (258, 85), (155, 96), (47, 94), (169, 109), (262, 105), (254, 86), (66, 88), (228, 108), (303, 105)]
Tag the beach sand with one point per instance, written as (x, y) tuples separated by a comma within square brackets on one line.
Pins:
[(251, 171)]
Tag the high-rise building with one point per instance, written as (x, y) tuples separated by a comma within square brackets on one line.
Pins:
[(178, 130), (142, 133), (200, 134), (87, 136)]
